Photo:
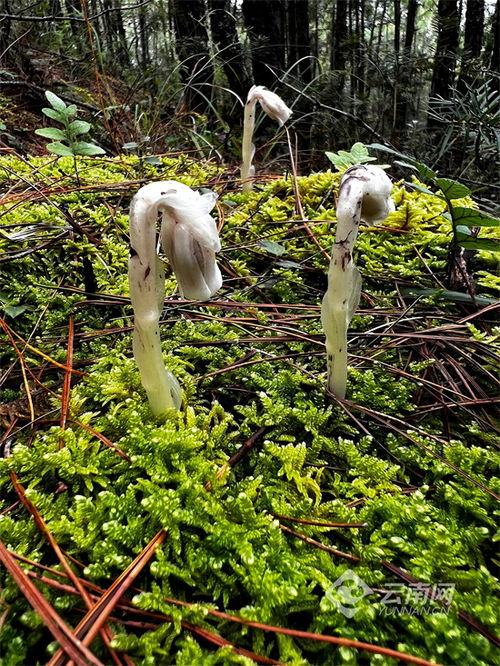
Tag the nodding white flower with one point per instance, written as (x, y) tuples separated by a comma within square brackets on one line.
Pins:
[(272, 104), (190, 240), (275, 108), (364, 196)]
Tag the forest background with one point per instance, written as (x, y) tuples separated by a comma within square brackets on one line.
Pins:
[(160, 76)]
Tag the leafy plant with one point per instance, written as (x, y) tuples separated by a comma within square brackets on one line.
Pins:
[(462, 218), (66, 141), (357, 155)]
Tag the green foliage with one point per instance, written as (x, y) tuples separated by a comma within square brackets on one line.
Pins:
[(461, 217), (67, 141), (357, 155)]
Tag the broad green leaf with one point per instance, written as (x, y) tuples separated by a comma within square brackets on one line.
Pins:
[(473, 218), (55, 101), (85, 148), (51, 133), (272, 247), (481, 244), (334, 158), (59, 149), (451, 188), (71, 110), (153, 160), (54, 115), (359, 151), (79, 127), (3, 126)]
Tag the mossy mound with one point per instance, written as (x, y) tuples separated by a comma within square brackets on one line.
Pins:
[(409, 458)]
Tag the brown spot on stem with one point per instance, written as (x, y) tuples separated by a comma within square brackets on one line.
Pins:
[(147, 272)]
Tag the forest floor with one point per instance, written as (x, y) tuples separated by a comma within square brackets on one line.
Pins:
[(267, 521)]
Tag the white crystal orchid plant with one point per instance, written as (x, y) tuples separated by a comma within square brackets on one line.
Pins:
[(276, 109), (364, 196), (190, 239)]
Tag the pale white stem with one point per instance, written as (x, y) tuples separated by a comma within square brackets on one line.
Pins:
[(248, 149), (364, 195), (339, 305), (190, 240), (147, 291), (276, 109)]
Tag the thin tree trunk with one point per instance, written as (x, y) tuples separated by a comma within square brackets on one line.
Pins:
[(193, 52), (265, 23), (446, 49), (299, 42), (225, 36), (473, 42)]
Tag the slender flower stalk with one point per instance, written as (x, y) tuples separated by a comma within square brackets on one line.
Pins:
[(190, 240), (276, 109), (364, 196)]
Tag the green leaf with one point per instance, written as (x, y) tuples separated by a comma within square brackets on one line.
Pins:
[(51, 133), (131, 145), (463, 233), (59, 149), (71, 110), (334, 158), (272, 247), (481, 244), (360, 152), (422, 168), (456, 296), (451, 188), (420, 188), (79, 127), (15, 310), (54, 115), (55, 101), (153, 160), (472, 217), (85, 148), (3, 126)]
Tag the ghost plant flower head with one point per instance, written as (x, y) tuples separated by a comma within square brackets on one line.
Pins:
[(364, 196), (190, 240), (275, 108)]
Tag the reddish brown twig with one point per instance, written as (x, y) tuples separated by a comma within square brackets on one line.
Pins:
[(90, 625), (80, 654)]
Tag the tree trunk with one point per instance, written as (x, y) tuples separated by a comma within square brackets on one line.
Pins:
[(411, 18), (299, 42), (265, 22), (225, 36), (445, 56), (339, 38), (495, 39), (405, 70), (193, 52), (473, 42)]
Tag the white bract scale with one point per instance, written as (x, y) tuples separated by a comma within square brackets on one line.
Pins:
[(364, 196), (276, 109), (190, 240)]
